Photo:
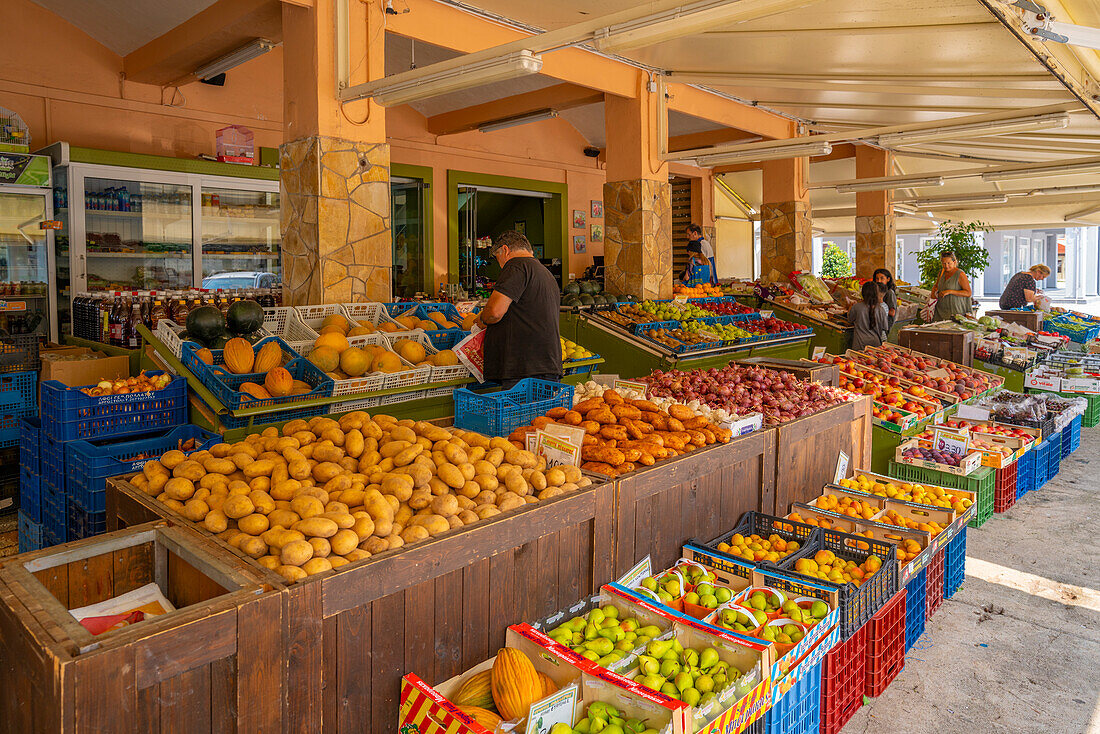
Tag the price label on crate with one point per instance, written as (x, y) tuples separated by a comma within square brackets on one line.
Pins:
[(819, 352), (634, 576), (1018, 354), (557, 709), (635, 385), (842, 460), (972, 413), (559, 451), (950, 442), (766, 314)]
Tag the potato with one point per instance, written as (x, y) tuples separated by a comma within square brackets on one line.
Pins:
[(268, 562), (316, 565), (262, 501), (420, 499), (421, 475), (195, 510), (394, 540), (219, 466), (471, 489), (327, 453), (455, 455), (316, 527), (537, 480), (406, 456), (363, 527), (434, 524), (484, 512), (344, 542), (285, 489), (254, 524), (285, 518), (343, 520), (237, 506), (452, 476), (468, 472), (178, 488), (215, 521), (516, 484), (549, 492), (296, 552), (321, 547), (326, 470), (291, 573), (555, 477), (445, 505), (398, 485), (402, 433), (189, 469), (307, 506), (510, 501), (253, 546)]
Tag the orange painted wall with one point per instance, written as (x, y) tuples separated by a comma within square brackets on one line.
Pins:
[(68, 87)]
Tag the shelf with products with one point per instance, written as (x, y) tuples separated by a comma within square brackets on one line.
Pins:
[(241, 255), (181, 255)]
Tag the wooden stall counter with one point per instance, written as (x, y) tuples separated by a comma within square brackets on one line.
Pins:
[(213, 664)]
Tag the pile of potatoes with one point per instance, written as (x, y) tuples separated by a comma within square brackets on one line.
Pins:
[(324, 492)]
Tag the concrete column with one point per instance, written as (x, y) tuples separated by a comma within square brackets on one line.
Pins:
[(637, 201), (334, 164), (786, 232), (876, 234)]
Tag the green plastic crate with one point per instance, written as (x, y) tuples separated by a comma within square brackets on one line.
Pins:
[(1092, 413), (981, 483)]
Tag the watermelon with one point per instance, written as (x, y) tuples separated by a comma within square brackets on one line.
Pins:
[(587, 299), (571, 299), (572, 288), (590, 287), (205, 324), (244, 317)]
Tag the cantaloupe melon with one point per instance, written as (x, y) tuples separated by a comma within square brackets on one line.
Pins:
[(325, 358), (337, 341), (437, 316), (410, 350), (445, 358), (331, 329), (468, 321), (336, 319), (427, 325), (409, 322), (389, 327), (387, 362), (354, 361), (360, 331)]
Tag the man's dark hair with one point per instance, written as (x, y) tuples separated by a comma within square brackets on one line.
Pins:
[(511, 239), (695, 229)]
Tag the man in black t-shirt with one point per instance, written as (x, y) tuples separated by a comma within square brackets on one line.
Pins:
[(521, 318)]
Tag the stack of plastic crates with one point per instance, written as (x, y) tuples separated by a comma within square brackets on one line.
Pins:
[(1004, 493), (934, 581), (886, 645), (1025, 473), (954, 564), (915, 593), (843, 680), (1041, 462), (981, 483), (500, 413), (1054, 456), (798, 711), (30, 485), (1071, 437)]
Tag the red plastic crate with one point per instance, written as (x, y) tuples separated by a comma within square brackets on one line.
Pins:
[(843, 679), (1004, 493), (933, 595), (885, 645)]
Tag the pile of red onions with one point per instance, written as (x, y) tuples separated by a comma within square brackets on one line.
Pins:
[(779, 396)]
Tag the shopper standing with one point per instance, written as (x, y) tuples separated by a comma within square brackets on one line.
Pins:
[(521, 318), (695, 234), (1023, 288), (868, 317), (883, 277), (697, 270), (952, 289)]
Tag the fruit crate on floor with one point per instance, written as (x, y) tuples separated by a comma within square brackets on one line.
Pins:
[(933, 590), (758, 523), (500, 413), (981, 483), (798, 711), (29, 430), (885, 645), (88, 465), (17, 400), (1071, 437), (30, 495), (226, 386), (68, 414), (843, 679), (55, 516), (19, 353), (1041, 461), (1054, 457), (1004, 487), (1092, 413), (954, 564), (857, 604), (30, 533), (1025, 473), (915, 607)]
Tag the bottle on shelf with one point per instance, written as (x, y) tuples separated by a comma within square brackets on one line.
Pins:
[(181, 308), (157, 312), (116, 320), (131, 335), (104, 308)]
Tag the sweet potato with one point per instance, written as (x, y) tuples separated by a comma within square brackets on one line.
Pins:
[(556, 413), (600, 468), (590, 427), (645, 406), (604, 454), (680, 412), (626, 411), (695, 424), (612, 397), (590, 404), (572, 418), (602, 415), (615, 433)]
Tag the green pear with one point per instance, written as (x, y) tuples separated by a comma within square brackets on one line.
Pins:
[(691, 598), (648, 665), (682, 681), (596, 617), (769, 633), (704, 589), (615, 634), (607, 661), (613, 729), (706, 699), (578, 638), (710, 601), (690, 696), (789, 629), (670, 690), (633, 725), (819, 609), (658, 648), (601, 646), (650, 582), (670, 668), (591, 632), (598, 724), (672, 587), (722, 594), (708, 658), (761, 616), (577, 624), (664, 596), (704, 683), (590, 655), (584, 726), (718, 680), (602, 710), (690, 658), (610, 611), (641, 640), (629, 625), (757, 601), (653, 681), (624, 645), (561, 728), (650, 630), (677, 646)]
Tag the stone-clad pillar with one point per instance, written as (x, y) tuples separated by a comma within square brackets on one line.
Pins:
[(334, 178), (637, 201), (876, 235), (786, 233)]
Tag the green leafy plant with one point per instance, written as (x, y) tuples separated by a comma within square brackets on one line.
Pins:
[(835, 262), (958, 237)]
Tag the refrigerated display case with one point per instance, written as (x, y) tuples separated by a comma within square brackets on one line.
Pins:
[(150, 223), (27, 301)]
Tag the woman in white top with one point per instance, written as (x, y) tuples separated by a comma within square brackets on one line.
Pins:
[(695, 234)]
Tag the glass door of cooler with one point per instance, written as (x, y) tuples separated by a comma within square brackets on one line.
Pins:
[(137, 235), (240, 238), (25, 263)]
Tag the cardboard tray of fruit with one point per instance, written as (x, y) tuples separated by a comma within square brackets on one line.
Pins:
[(913, 453), (997, 451), (994, 381), (1028, 437), (932, 407), (893, 418), (960, 502), (946, 399)]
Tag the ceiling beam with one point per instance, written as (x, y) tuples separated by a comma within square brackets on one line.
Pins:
[(558, 97), (227, 24), (737, 80), (840, 152), (709, 137)]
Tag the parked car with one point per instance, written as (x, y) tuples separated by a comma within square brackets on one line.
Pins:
[(240, 279)]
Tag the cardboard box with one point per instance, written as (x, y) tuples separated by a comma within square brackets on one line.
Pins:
[(1041, 379), (87, 371), (969, 464), (1081, 385)]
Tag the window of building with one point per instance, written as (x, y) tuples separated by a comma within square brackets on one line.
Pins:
[(1008, 247), (899, 259)]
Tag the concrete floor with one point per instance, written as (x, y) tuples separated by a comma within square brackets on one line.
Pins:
[(1017, 649)]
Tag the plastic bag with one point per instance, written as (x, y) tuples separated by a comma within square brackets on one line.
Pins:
[(928, 311), (471, 352)]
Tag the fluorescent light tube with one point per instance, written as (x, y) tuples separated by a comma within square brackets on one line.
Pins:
[(898, 183), (974, 200), (976, 130), (1050, 169), (518, 120), (521, 63), (904, 209), (233, 59), (1056, 190), (765, 154)]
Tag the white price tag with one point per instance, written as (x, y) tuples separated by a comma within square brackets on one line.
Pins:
[(972, 413), (557, 450), (766, 314), (634, 576), (559, 708), (951, 443), (819, 352), (640, 387), (842, 460)]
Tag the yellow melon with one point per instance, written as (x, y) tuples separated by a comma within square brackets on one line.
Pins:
[(449, 325), (445, 358), (354, 361), (468, 321), (411, 351), (427, 325), (437, 316), (389, 327), (387, 362), (325, 358), (337, 341), (336, 319), (409, 322), (360, 331), (331, 329)]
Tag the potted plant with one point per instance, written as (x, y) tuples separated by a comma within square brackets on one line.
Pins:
[(958, 237)]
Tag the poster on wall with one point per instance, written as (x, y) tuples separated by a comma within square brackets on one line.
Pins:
[(578, 244), (597, 209), (578, 219), (521, 227), (597, 233)]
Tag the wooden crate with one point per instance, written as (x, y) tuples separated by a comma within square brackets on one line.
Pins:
[(213, 665), (697, 495), (803, 369), (436, 608), (1030, 319), (807, 450), (953, 345)]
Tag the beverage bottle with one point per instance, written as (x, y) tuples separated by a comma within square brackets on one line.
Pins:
[(146, 310), (158, 312), (223, 302), (115, 321), (132, 336), (180, 309), (104, 313)]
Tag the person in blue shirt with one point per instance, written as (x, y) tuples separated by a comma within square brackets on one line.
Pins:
[(695, 234), (698, 267)]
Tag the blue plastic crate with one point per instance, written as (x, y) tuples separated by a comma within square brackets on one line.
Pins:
[(18, 390), (53, 464), (83, 523), (1066, 327), (226, 387), (1025, 473), (798, 711), (446, 338), (55, 515), (29, 430), (1041, 462), (30, 533), (19, 353), (30, 494), (278, 416), (500, 413), (954, 564), (88, 465), (915, 592), (1071, 437), (1054, 456), (68, 414)]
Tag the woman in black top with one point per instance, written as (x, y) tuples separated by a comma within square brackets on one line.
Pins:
[(1023, 289), (883, 277)]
